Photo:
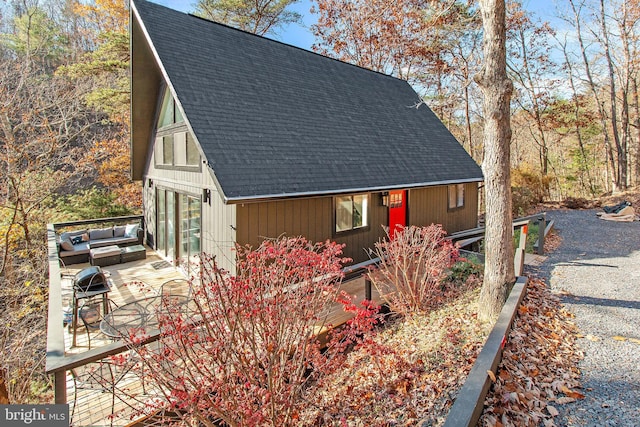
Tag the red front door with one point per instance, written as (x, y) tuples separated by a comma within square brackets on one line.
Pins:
[(397, 210)]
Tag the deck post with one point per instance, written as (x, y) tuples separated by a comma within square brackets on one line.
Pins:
[(518, 261), (542, 228), (60, 387)]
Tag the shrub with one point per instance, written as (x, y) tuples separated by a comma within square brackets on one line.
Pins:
[(254, 349), (464, 271), (412, 267), (528, 188)]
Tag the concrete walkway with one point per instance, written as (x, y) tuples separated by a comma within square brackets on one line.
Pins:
[(596, 271)]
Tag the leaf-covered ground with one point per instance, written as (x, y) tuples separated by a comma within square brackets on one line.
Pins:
[(408, 372), (411, 371), (539, 369)]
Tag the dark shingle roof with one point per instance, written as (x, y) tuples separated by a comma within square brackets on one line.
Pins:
[(275, 120)]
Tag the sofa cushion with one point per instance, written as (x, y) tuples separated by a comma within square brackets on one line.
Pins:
[(131, 230), (82, 248), (118, 230), (112, 241), (100, 233)]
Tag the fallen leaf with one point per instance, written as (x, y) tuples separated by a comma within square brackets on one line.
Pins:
[(592, 338), (575, 395), (491, 375), (552, 411), (571, 393), (634, 340), (619, 338)]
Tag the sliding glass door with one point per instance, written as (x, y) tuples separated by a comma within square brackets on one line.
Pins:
[(189, 221), (178, 226)]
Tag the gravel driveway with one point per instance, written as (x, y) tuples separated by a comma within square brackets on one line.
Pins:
[(596, 270)]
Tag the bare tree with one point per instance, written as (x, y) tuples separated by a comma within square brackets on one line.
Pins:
[(254, 16), (496, 88)]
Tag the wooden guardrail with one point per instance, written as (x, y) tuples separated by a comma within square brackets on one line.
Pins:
[(473, 235), (467, 408)]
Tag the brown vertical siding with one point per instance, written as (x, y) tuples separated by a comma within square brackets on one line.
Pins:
[(429, 206), (314, 219), (311, 218)]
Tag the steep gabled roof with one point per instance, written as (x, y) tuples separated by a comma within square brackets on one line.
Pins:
[(277, 121)]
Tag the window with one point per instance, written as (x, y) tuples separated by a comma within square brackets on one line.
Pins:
[(456, 196), (167, 150), (351, 212), (169, 113), (177, 149), (193, 156), (175, 146)]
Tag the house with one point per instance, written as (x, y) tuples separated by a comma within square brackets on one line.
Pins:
[(238, 137)]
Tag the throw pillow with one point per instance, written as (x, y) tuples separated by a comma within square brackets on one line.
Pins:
[(76, 240), (66, 245), (131, 230), (85, 237)]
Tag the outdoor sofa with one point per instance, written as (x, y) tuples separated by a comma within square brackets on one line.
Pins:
[(74, 246)]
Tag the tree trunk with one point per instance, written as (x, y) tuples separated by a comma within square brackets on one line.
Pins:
[(621, 170), (496, 89), (594, 91), (584, 160), (636, 121)]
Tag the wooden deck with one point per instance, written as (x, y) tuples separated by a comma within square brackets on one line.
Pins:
[(94, 407)]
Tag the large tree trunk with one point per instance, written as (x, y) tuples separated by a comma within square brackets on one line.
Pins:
[(496, 89)]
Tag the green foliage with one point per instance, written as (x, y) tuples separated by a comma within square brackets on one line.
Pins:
[(37, 36), (91, 203), (464, 268), (108, 68), (532, 237)]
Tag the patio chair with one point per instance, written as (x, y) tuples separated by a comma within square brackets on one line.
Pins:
[(91, 315), (102, 376), (176, 287)]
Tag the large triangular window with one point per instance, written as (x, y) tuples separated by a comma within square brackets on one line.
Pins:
[(169, 112)]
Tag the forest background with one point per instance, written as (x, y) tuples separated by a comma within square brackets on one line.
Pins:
[(64, 114)]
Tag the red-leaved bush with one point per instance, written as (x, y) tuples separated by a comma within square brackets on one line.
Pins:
[(412, 267), (247, 347)]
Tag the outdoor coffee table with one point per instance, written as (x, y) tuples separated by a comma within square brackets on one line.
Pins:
[(132, 253), (106, 255)]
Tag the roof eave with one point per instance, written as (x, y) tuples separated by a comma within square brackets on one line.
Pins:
[(281, 196)]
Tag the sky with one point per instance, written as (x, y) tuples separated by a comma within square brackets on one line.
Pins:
[(295, 34), (300, 34)]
